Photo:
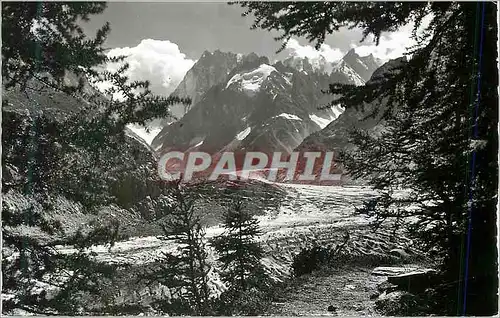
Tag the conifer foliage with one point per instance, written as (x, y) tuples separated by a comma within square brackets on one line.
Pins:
[(185, 270), (439, 113), (62, 142), (240, 257), (45, 37)]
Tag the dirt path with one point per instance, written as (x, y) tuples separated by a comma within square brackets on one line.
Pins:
[(348, 289)]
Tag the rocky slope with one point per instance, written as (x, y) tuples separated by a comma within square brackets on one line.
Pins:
[(362, 65), (127, 171), (335, 136), (128, 178), (211, 69)]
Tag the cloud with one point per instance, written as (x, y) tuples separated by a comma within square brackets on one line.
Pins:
[(392, 45), (160, 62), (325, 53)]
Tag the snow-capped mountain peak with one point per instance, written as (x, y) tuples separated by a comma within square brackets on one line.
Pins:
[(364, 66), (251, 82), (354, 77), (305, 65), (245, 103)]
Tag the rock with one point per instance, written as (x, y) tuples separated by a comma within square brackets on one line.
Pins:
[(399, 303), (414, 282), (10, 175), (390, 271), (385, 286), (332, 308), (374, 296), (399, 252)]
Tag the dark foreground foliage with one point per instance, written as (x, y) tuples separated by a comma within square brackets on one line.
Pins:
[(439, 111)]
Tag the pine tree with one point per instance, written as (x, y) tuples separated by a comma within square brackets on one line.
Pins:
[(186, 270), (440, 142), (240, 256), (40, 38), (74, 153)]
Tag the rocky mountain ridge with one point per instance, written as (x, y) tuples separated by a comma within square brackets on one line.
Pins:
[(257, 106), (335, 136)]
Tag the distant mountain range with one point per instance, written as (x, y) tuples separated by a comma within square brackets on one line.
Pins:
[(335, 136), (245, 103)]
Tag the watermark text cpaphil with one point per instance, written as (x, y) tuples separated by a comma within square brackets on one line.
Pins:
[(274, 166)]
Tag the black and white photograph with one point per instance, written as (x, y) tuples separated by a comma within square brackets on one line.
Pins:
[(250, 158)]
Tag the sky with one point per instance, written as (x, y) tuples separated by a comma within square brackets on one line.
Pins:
[(164, 40)]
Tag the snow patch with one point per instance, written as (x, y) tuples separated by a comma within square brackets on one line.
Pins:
[(320, 59), (337, 110), (362, 63), (146, 134), (159, 147), (199, 144), (322, 122), (342, 67), (251, 82), (288, 116), (196, 142), (243, 134), (288, 78)]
